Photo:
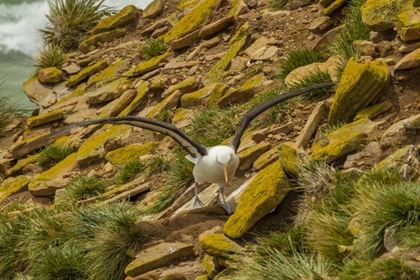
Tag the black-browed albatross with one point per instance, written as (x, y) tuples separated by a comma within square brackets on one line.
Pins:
[(216, 164)]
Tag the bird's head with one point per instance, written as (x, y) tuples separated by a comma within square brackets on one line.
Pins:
[(224, 160)]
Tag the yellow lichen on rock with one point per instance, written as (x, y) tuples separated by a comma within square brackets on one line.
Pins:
[(408, 25), (17, 168), (142, 91), (123, 17), (108, 74), (360, 84), (130, 152), (373, 111), (206, 96), (289, 160), (199, 15), (86, 73), (218, 245), (48, 117), (235, 45), (262, 195), (13, 185), (103, 37), (94, 147), (146, 66), (380, 15)]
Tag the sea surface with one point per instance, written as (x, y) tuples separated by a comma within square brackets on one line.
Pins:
[(20, 42)]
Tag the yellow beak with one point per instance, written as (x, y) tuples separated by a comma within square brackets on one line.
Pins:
[(225, 170)]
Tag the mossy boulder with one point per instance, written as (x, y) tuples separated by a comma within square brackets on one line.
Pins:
[(289, 160), (218, 245), (109, 74), (109, 91), (263, 194), (45, 118), (343, 141), (86, 73), (187, 85), (94, 147), (142, 91), (127, 15), (13, 185), (206, 96), (130, 152), (381, 15), (50, 75), (374, 110), (147, 66), (104, 37), (360, 84), (170, 102), (242, 94), (17, 168), (334, 7), (39, 93), (46, 183), (195, 18), (235, 45), (408, 25)]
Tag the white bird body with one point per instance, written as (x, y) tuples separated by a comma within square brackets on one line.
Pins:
[(209, 168), (216, 164)]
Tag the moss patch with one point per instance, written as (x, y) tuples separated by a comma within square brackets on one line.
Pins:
[(13, 185), (243, 93), (380, 15), (131, 152), (235, 45), (146, 66), (109, 74), (262, 195), (218, 245), (199, 15), (17, 168), (123, 17), (373, 111), (94, 147), (86, 73), (45, 118), (103, 37), (360, 84), (408, 24), (289, 160), (207, 96), (142, 91)]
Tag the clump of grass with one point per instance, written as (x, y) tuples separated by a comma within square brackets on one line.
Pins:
[(384, 269), (208, 132), (61, 263), (53, 154), (277, 265), (278, 4), (316, 77), (128, 171), (297, 58), (355, 29), (84, 187), (165, 115), (157, 165), (51, 56), (152, 48), (114, 235), (69, 21), (382, 215)]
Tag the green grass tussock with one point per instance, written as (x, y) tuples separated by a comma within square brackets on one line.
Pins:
[(70, 20), (152, 48), (128, 171), (297, 58), (53, 154), (50, 56), (83, 187)]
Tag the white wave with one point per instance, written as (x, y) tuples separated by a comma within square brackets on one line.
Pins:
[(19, 24)]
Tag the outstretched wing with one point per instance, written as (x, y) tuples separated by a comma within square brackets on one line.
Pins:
[(251, 114), (193, 148)]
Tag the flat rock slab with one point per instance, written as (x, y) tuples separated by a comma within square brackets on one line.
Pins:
[(158, 256)]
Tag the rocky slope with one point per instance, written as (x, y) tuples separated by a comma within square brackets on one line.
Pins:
[(220, 53)]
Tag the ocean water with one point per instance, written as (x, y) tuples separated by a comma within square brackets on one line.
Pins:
[(20, 42)]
